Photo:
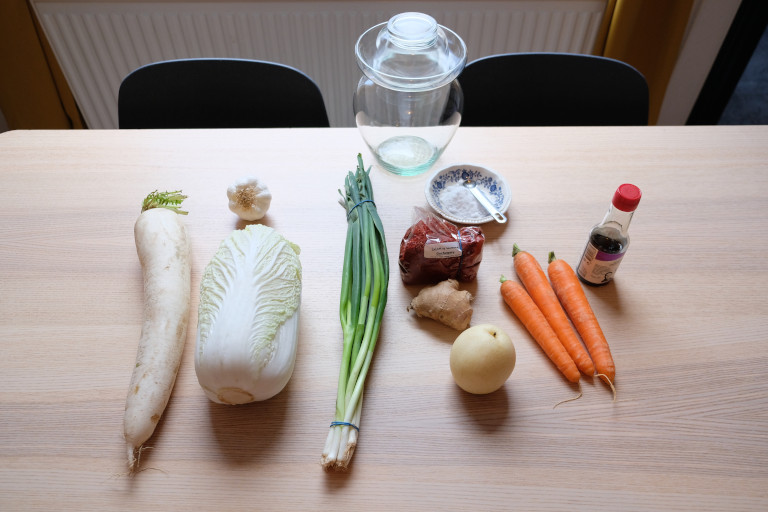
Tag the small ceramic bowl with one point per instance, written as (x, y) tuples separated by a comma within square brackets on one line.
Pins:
[(447, 196)]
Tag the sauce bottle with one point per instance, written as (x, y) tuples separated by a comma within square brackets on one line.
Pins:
[(608, 241)]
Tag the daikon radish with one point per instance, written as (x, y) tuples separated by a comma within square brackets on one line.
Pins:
[(162, 245)]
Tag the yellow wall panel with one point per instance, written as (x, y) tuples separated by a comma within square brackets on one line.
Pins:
[(648, 34), (33, 92)]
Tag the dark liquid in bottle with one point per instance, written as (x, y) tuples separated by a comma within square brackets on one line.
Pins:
[(606, 242)]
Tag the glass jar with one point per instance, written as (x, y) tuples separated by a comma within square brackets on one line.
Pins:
[(408, 103)]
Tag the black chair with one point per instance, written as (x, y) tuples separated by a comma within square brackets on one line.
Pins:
[(553, 89), (219, 93)]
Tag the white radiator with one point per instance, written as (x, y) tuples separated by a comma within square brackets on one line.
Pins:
[(97, 43)]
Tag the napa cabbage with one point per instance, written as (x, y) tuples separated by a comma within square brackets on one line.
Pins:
[(248, 317)]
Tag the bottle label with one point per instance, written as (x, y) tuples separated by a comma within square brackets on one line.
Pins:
[(598, 267)]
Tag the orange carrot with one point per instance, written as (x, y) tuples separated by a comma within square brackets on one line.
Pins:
[(533, 319), (574, 300), (535, 281)]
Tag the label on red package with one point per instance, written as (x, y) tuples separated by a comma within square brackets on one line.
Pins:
[(442, 250)]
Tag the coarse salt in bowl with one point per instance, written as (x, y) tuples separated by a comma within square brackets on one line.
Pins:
[(447, 195)]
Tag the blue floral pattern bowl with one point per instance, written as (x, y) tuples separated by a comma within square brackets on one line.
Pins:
[(445, 195)]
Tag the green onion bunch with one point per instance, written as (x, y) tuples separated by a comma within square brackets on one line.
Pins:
[(363, 297)]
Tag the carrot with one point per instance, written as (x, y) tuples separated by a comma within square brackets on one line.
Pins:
[(533, 319), (535, 281), (572, 297)]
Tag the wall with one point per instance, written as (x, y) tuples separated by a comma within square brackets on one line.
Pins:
[(98, 43), (707, 27), (33, 93), (709, 22)]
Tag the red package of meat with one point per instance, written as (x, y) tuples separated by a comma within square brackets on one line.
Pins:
[(433, 250)]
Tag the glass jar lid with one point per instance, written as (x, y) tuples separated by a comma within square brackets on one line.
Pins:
[(411, 52)]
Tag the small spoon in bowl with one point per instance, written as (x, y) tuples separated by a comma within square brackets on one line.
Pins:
[(497, 215)]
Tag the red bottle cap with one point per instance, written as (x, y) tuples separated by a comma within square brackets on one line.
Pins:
[(627, 197)]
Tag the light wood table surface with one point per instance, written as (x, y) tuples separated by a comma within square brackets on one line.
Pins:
[(687, 319)]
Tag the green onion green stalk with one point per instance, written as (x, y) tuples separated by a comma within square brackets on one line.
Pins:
[(364, 284)]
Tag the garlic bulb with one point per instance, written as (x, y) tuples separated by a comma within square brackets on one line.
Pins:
[(249, 198)]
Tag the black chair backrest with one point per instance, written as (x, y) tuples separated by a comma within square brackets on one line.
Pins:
[(219, 93), (553, 89)]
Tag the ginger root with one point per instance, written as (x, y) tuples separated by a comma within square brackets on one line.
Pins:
[(445, 303)]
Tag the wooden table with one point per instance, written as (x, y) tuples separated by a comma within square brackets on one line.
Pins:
[(687, 319)]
